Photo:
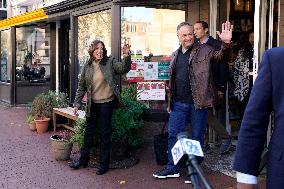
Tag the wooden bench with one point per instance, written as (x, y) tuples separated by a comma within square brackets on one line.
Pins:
[(69, 114)]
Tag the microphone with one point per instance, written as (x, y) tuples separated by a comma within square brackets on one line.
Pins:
[(186, 146), (190, 148)]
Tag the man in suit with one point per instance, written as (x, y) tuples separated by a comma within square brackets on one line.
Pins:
[(220, 70), (267, 95)]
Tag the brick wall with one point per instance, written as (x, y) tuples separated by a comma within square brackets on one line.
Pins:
[(198, 10), (204, 10)]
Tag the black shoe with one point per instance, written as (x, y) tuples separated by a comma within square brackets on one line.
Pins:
[(225, 146), (187, 180), (78, 165), (166, 173), (101, 171)]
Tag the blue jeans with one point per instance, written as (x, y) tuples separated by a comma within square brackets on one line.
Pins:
[(180, 115)]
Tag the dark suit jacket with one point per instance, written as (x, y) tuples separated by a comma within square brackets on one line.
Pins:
[(267, 95)]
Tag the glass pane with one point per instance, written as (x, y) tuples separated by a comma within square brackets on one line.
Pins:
[(32, 54), (152, 34), (151, 30), (5, 67), (90, 27)]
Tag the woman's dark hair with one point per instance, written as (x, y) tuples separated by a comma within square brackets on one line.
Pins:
[(93, 47), (246, 44)]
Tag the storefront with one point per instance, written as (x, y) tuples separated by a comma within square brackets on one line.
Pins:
[(149, 28), (48, 52)]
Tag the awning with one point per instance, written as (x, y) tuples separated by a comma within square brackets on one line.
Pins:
[(38, 14)]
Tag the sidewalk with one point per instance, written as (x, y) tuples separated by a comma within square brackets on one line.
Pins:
[(26, 162)]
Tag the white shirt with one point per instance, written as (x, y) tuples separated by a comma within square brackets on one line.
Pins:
[(246, 178)]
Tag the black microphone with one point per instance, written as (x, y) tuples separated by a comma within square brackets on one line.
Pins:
[(190, 148)]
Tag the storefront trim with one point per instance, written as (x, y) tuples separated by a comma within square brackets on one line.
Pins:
[(23, 18), (93, 7)]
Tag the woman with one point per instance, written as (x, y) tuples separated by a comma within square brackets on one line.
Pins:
[(243, 74), (100, 81)]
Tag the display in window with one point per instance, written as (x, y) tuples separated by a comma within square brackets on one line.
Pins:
[(4, 66), (136, 74), (156, 70), (151, 91), (32, 55)]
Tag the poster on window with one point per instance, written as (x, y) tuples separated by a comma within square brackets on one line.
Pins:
[(164, 71), (136, 73), (151, 91), (156, 70)]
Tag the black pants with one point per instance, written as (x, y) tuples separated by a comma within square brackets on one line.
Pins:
[(100, 115)]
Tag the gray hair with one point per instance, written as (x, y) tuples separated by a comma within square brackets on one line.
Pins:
[(184, 24)]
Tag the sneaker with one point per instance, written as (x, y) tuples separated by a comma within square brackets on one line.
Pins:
[(207, 149), (225, 146), (166, 173), (187, 180)]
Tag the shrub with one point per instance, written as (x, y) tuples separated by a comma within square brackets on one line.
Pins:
[(44, 103), (79, 131), (126, 121)]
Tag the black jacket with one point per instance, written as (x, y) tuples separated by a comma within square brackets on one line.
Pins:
[(220, 68)]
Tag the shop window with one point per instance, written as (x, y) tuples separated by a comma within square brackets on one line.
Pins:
[(32, 54), (4, 66), (90, 27), (153, 38)]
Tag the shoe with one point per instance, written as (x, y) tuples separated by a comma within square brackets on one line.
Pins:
[(225, 146), (78, 165), (187, 180), (166, 173), (101, 171), (207, 149)]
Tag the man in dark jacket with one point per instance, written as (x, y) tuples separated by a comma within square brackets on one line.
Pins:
[(191, 88), (267, 96), (220, 70)]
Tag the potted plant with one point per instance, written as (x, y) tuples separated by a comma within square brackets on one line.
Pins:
[(41, 111), (30, 121), (43, 105), (61, 146)]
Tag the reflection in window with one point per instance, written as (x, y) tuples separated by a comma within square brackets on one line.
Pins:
[(152, 34), (5, 67), (32, 54), (151, 30), (90, 27)]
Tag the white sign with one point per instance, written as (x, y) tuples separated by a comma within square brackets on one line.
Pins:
[(156, 70), (136, 73), (150, 70), (186, 146), (151, 91)]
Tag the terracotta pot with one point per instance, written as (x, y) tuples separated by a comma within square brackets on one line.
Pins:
[(42, 125), (61, 150), (32, 126)]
